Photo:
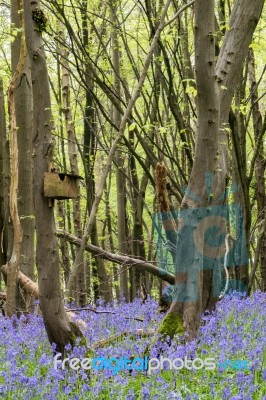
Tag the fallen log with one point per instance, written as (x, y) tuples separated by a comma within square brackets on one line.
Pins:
[(25, 283), (32, 289), (118, 258), (121, 336)]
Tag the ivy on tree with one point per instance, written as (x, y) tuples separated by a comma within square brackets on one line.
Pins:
[(39, 18)]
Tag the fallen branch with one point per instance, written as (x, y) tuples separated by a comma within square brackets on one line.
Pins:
[(118, 258), (102, 312), (25, 283), (91, 309), (121, 336), (32, 289)]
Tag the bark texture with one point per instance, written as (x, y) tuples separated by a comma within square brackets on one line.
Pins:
[(57, 324), (23, 110), (4, 180), (215, 83), (122, 227)]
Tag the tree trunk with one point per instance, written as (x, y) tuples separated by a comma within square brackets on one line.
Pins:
[(215, 89), (115, 270), (126, 117), (23, 109), (63, 245), (122, 228), (73, 153), (260, 163), (57, 324), (204, 162), (98, 270), (4, 181)]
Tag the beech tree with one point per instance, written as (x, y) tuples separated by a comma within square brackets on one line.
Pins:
[(215, 84), (4, 179), (58, 326), (24, 120)]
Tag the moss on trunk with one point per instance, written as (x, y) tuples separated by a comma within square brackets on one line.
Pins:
[(75, 334), (171, 325)]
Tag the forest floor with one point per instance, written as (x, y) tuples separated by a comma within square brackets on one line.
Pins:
[(233, 337)]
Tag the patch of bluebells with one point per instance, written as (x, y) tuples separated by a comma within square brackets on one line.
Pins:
[(236, 330)]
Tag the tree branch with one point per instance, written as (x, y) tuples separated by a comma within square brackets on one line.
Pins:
[(118, 258)]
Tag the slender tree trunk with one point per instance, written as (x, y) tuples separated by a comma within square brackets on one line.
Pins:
[(13, 263), (239, 173), (63, 245), (126, 117), (142, 279), (115, 269), (119, 160), (138, 247), (23, 109), (260, 163), (73, 153), (4, 182), (98, 270)]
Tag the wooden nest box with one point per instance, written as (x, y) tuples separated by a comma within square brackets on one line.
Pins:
[(60, 186)]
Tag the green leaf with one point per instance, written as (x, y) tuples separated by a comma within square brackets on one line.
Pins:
[(132, 127)]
